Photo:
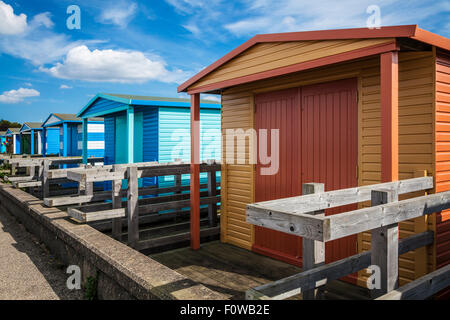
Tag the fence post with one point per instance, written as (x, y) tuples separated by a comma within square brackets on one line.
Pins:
[(44, 180), (89, 185), (133, 208), (384, 246), (116, 203), (212, 192), (313, 251), (32, 171), (177, 183)]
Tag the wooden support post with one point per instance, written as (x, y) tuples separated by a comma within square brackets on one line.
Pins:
[(195, 172), (420, 225), (32, 171), (384, 247), (389, 116), (313, 251), (32, 142), (89, 188), (65, 139), (178, 183), (212, 191), (44, 179), (82, 184), (85, 140), (133, 208), (44, 141), (116, 204), (130, 132)]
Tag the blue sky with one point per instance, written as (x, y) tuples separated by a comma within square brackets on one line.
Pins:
[(150, 47)]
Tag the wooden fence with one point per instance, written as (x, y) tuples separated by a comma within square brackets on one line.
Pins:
[(304, 216), (139, 204), (38, 174)]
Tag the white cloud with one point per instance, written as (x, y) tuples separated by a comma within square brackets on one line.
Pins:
[(64, 86), (119, 14), (218, 19), (112, 66), (35, 42), (187, 6), (40, 48), (9, 22), (270, 16), (42, 19), (28, 84), (15, 96)]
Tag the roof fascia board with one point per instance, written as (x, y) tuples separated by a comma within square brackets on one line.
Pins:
[(342, 57)]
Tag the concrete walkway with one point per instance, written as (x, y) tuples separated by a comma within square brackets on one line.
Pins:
[(27, 269)]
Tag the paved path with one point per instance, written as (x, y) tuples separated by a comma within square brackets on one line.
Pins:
[(27, 268)]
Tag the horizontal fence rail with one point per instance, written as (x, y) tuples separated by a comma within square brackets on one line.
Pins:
[(310, 279), (423, 287)]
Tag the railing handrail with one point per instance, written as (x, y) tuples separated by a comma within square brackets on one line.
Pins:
[(336, 198), (145, 169)]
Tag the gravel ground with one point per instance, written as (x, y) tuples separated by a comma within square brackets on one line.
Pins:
[(28, 271)]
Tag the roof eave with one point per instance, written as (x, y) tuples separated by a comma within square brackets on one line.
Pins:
[(406, 31)]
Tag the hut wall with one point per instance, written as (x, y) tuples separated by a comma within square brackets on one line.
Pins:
[(174, 138), (442, 73), (96, 139)]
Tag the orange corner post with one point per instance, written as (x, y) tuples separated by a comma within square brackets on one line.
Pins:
[(195, 171), (389, 116)]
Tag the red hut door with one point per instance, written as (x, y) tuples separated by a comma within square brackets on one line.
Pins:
[(318, 143)]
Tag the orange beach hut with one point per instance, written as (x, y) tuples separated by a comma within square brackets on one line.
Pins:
[(353, 107)]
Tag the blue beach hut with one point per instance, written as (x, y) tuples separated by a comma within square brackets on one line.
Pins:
[(144, 129), (68, 140)]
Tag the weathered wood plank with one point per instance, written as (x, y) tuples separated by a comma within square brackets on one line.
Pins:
[(63, 201), (172, 205), (296, 284), (145, 169), (171, 239), (26, 184), (384, 246), (116, 203), (348, 223), (330, 199), (423, 287), (95, 216), (45, 179), (303, 225), (313, 251), (133, 208), (353, 222)]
